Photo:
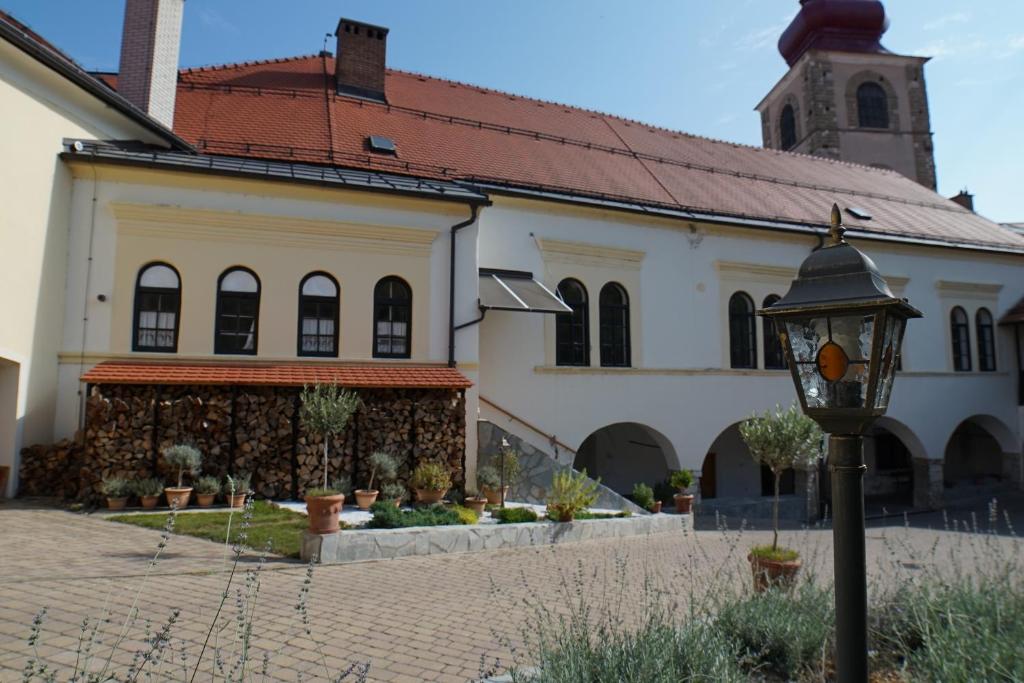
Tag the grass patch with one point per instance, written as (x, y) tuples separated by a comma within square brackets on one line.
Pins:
[(281, 527)]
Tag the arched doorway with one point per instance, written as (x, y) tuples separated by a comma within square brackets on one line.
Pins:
[(975, 454), (626, 453), (889, 480)]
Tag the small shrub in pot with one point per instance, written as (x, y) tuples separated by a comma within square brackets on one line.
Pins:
[(182, 458), (393, 492), (681, 481), (571, 492), (431, 481), (643, 495), (382, 464), (236, 488), (207, 489), (148, 491), (117, 491)]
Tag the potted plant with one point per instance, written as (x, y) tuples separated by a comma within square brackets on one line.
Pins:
[(643, 495), (431, 481), (326, 410), (382, 464), (682, 480), (182, 458), (236, 489), (488, 481), (494, 481), (393, 492), (476, 503), (207, 489), (570, 493), (780, 440), (117, 491), (148, 491)]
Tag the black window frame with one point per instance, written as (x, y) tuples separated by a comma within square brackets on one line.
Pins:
[(574, 351), (223, 297), (140, 291), (986, 335), (872, 106), (334, 306), (613, 321), (961, 337), (391, 303), (774, 354), (787, 127), (749, 319)]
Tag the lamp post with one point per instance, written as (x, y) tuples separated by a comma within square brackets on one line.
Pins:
[(841, 329)]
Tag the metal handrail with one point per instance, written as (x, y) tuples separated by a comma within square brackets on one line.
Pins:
[(552, 439)]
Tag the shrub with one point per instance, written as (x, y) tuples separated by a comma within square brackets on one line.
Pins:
[(382, 464), (116, 487), (387, 516), (681, 480), (570, 493), (488, 477), (147, 487), (392, 492), (587, 514), (237, 484), (514, 515), (767, 552), (466, 516), (326, 410), (208, 485), (643, 495), (183, 458), (430, 476)]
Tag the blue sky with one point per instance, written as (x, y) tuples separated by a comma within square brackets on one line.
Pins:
[(689, 65)]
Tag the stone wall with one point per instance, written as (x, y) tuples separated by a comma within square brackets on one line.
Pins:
[(256, 430)]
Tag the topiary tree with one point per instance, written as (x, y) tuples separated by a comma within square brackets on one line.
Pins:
[(781, 440), (184, 458), (326, 410)]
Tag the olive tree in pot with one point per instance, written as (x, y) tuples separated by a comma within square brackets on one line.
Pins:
[(326, 411), (780, 440), (681, 481), (383, 465), (117, 491), (431, 481), (183, 458)]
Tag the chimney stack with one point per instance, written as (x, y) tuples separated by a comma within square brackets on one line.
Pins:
[(150, 43), (361, 59), (964, 199)]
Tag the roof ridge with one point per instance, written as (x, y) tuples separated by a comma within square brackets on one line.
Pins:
[(204, 68)]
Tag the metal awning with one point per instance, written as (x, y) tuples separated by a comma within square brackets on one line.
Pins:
[(515, 290)]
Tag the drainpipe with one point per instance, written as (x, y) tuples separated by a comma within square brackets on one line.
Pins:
[(473, 209)]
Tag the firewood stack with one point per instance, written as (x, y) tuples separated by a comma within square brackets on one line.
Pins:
[(263, 434), (47, 470)]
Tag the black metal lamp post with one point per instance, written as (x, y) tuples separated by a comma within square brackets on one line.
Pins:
[(841, 329)]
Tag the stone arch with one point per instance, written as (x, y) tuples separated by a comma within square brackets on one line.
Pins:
[(890, 451), (858, 79), (981, 451), (625, 453)]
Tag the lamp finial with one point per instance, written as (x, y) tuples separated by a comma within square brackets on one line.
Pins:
[(837, 230)]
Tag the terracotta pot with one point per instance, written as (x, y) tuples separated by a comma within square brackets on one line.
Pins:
[(397, 502), (366, 497), (656, 508), (149, 502), (117, 503), (205, 500), (493, 495), (430, 496), (323, 513), (476, 504), (769, 573), (684, 503), (178, 497), (237, 500)]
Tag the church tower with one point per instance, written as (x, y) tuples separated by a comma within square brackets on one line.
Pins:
[(847, 97)]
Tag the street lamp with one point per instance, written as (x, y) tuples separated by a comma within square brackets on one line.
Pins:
[(841, 329)]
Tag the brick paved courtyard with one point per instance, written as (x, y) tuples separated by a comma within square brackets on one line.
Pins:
[(413, 619)]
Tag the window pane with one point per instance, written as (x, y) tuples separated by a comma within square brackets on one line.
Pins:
[(319, 285), (159, 276), (239, 281)]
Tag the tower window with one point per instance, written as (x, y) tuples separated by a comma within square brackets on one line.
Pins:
[(986, 340), (787, 127), (872, 106)]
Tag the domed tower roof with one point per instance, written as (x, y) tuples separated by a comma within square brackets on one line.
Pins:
[(842, 25)]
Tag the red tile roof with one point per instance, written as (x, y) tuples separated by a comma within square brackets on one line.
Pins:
[(287, 109), (281, 374)]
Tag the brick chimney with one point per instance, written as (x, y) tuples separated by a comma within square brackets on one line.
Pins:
[(964, 199), (150, 42), (362, 51)]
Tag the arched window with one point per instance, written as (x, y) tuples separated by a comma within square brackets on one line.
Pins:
[(961, 340), (742, 332), (872, 106), (787, 127), (614, 326), (238, 312), (572, 330), (986, 340), (392, 318), (318, 315), (157, 309), (774, 358)]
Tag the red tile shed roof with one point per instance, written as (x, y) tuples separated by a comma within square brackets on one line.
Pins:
[(282, 374), (276, 109)]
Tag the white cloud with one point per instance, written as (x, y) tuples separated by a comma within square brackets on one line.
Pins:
[(761, 38), (954, 18), (953, 47), (212, 19)]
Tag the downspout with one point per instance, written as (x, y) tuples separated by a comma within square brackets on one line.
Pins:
[(473, 209)]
